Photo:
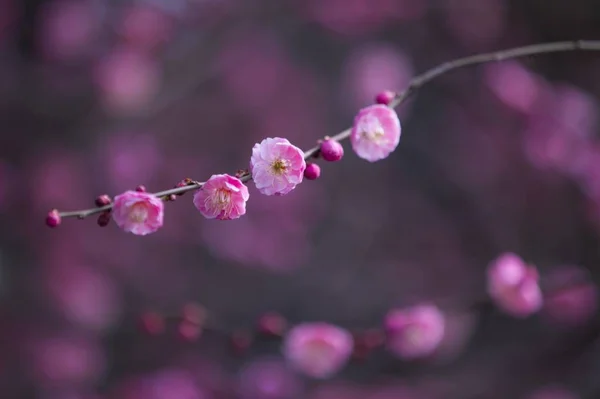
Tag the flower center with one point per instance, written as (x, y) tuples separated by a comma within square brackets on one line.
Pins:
[(279, 166), (414, 335), (373, 134), (138, 213), (221, 197)]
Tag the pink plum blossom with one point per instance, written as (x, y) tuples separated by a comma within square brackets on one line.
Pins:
[(416, 331), (138, 213), (277, 166), (318, 350), (222, 197), (375, 133), (514, 286)]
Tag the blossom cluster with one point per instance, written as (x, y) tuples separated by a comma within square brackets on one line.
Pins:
[(319, 349), (412, 333), (276, 167)]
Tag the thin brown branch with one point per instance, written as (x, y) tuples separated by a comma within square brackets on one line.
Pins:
[(416, 83)]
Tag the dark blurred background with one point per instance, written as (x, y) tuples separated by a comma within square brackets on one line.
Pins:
[(100, 96)]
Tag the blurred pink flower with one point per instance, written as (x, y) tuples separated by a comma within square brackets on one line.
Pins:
[(375, 133), (138, 213), (359, 17), (414, 332), (84, 295), (268, 379), (319, 350), (127, 80), (222, 197), (68, 28), (476, 23), (255, 66), (145, 26), (559, 130), (277, 166), (67, 360), (575, 300), (514, 286), (371, 69), (164, 384), (129, 159), (513, 84), (552, 392)]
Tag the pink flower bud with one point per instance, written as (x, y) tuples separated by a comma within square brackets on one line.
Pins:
[(53, 219), (277, 166), (138, 212), (514, 286), (152, 323), (102, 200), (385, 97), (312, 171), (331, 150), (141, 188), (272, 324), (222, 197), (240, 341), (415, 332), (319, 350), (104, 219), (375, 133)]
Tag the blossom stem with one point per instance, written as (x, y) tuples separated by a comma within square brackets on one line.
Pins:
[(416, 83)]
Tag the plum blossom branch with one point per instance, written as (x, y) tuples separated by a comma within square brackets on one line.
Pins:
[(389, 99)]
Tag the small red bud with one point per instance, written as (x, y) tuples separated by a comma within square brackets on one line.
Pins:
[(189, 331), (53, 219), (102, 200), (241, 341), (331, 150), (152, 323), (385, 97), (104, 219), (194, 313), (140, 189), (272, 324), (312, 171)]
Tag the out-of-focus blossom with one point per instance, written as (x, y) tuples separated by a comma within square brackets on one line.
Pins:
[(222, 197), (254, 67), (476, 23), (129, 159), (268, 379), (145, 26), (358, 17), (67, 28), (375, 133), (574, 300), (127, 80), (514, 286), (371, 69), (414, 332), (513, 84), (552, 392), (83, 295), (164, 384), (138, 213), (277, 166), (559, 130), (67, 360), (319, 350)]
